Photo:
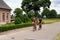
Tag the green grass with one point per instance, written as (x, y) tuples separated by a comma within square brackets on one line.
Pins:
[(58, 37), (49, 21)]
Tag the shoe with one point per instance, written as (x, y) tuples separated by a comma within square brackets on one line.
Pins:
[(39, 28), (34, 29)]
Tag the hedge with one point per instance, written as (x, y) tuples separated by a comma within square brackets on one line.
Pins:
[(11, 27)]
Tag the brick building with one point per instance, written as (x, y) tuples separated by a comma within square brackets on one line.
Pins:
[(5, 12)]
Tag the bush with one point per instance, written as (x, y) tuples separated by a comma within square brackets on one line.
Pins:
[(11, 27)]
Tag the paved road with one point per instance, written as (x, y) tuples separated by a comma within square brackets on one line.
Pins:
[(48, 32)]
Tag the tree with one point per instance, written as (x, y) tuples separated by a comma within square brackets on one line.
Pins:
[(58, 15), (46, 12), (53, 13), (49, 13), (17, 20), (35, 5), (18, 15), (31, 14), (18, 12), (25, 18)]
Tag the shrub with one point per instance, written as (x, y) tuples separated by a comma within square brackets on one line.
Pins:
[(11, 27)]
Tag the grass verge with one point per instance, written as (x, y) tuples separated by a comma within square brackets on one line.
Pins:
[(58, 37)]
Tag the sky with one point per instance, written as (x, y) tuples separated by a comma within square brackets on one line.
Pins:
[(55, 4)]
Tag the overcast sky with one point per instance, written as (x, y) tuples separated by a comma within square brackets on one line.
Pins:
[(55, 4)]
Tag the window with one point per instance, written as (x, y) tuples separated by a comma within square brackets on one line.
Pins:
[(7, 16), (3, 17)]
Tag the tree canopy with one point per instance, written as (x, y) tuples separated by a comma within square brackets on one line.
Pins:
[(53, 13), (18, 12), (35, 5), (49, 13), (45, 12), (20, 17)]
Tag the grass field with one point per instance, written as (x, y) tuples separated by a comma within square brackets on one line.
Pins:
[(49, 21)]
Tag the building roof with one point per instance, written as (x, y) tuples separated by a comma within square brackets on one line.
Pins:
[(4, 5)]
